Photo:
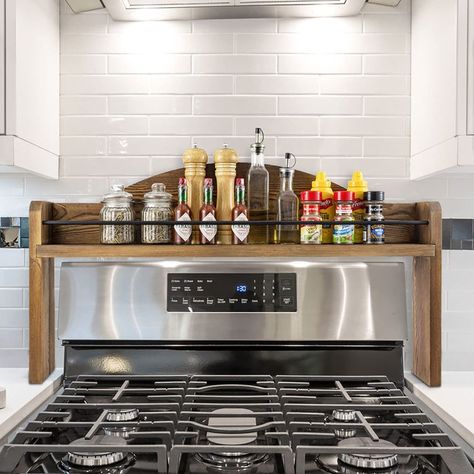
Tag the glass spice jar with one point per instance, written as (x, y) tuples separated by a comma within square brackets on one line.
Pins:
[(311, 233), (343, 233), (374, 233), (117, 206), (157, 207)]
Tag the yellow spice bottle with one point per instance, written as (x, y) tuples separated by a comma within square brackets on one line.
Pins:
[(358, 186), (322, 184)]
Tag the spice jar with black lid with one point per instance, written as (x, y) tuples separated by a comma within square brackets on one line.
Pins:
[(117, 206), (374, 233)]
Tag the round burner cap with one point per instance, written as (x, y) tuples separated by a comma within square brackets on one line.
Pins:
[(97, 458), (344, 415), (122, 415), (373, 460)]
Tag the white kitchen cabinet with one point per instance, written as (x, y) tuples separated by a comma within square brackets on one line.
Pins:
[(442, 87), (29, 87)]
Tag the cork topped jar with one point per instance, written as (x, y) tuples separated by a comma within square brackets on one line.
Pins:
[(117, 206), (157, 207)]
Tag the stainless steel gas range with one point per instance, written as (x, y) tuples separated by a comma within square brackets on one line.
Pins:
[(248, 366)]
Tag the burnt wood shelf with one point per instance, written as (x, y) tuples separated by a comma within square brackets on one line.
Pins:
[(71, 230), (231, 251)]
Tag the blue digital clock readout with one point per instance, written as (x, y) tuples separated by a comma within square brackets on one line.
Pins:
[(241, 288)]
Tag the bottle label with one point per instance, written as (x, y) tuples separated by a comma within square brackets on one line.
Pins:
[(241, 231), (209, 231), (184, 231), (311, 234), (343, 234)]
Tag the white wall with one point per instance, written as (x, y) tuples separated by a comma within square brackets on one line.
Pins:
[(333, 91)]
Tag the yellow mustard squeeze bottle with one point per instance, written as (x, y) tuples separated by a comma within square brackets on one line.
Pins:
[(358, 186), (326, 209)]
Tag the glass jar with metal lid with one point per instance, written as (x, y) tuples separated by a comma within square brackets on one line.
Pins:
[(117, 206), (157, 208)]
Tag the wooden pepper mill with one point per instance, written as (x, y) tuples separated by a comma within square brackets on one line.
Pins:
[(195, 160), (225, 160)]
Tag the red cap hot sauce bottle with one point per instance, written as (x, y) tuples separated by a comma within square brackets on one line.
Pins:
[(240, 232), (182, 213), (207, 233)]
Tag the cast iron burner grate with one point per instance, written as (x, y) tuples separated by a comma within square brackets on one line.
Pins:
[(232, 423)]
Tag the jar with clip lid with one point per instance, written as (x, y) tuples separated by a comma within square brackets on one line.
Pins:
[(117, 206), (157, 207)]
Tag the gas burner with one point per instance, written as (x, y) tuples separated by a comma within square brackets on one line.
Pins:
[(368, 461), (344, 415), (97, 462), (118, 415), (232, 460)]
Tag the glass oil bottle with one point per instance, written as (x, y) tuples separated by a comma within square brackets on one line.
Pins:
[(287, 205), (257, 190)]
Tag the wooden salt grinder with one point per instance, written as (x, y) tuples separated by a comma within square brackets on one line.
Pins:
[(195, 160), (225, 160)]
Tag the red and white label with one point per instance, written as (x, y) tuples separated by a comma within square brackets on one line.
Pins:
[(326, 203), (184, 231), (209, 231), (241, 231)]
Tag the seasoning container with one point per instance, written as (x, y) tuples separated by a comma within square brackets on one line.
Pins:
[(311, 233), (358, 186), (374, 233), (343, 233), (240, 214), (182, 213), (326, 208), (157, 207), (258, 190), (287, 205), (195, 160), (208, 213), (117, 206), (225, 160)]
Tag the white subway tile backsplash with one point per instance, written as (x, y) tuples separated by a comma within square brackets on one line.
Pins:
[(191, 84), (11, 186), (83, 105), (150, 105), (149, 64), (373, 168), (91, 85), (241, 144), (104, 166), (191, 125), (13, 318), (167, 146), (387, 105), (330, 25), (386, 23), (83, 145), (13, 278), (365, 126), (112, 125), (386, 146), (319, 64), (11, 298), (234, 105), (251, 25), (83, 64), (12, 258), (234, 64), (365, 85), (66, 186), (265, 85), (320, 146), (278, 125), (138, 29), (11, 338), (386, 64), (320, 105), (84, 24)]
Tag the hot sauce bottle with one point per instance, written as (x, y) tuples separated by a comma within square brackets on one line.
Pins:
[(207, 213), (182, 212), (240, 214)]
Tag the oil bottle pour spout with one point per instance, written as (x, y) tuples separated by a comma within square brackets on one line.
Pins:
[(288, 158)]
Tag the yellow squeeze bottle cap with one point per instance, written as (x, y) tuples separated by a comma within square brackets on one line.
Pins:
[(320, 181), (357, 180)]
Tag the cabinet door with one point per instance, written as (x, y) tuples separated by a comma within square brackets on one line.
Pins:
[(2, 67)]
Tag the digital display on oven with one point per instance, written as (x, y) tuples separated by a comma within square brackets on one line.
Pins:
[(231, 292)]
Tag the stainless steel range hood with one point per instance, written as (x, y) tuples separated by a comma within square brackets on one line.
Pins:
[(145, 10)]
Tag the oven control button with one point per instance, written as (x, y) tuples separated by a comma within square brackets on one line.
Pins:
[(198, 300), (185, 301), (210, 300), (175, 289), (221, 301), (286, 301)]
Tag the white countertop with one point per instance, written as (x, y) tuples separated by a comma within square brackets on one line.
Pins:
[(453, 402), (23, 398)]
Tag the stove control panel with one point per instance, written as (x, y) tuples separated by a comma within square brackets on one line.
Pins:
[(231, 292)]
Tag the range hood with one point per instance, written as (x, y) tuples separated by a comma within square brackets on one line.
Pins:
[(146, 10)]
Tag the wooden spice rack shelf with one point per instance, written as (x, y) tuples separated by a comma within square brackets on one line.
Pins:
[(72, 230), (232, 251)]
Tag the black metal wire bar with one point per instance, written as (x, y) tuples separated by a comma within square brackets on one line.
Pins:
[(251, 223)]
